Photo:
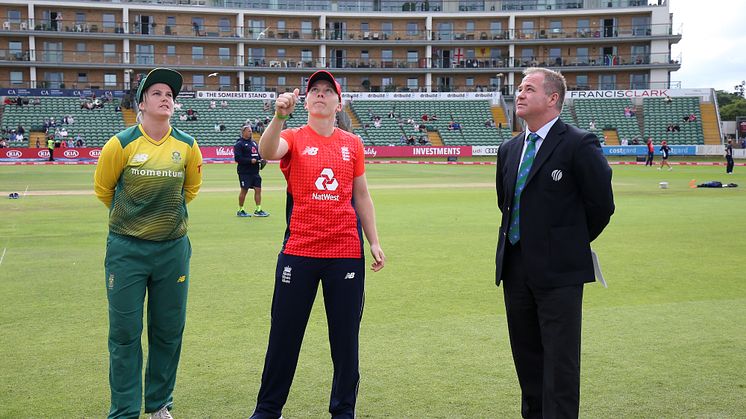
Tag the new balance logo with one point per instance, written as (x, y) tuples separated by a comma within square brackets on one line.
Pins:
[(311, 151), (350, 275)]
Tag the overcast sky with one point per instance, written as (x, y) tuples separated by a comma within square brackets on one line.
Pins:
[(713, 43)]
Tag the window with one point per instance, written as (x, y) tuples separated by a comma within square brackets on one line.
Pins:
[(224, 54), (80, 47), (110, 79), (445, 31), (527, 29), (109, 21), (584, 27), (198, 53), (16, 78), (171, 50), (470, 82), (53, 79), (555, 27), (14, 16), (198, 80), (527, 56), (281, 81), (469, 26), (496, 29), (555, 56), (364, 26), (144, 54), (641, 26), (255, 57), (306, 27), (80, 18), (412, 28), (83, 78), (225, 82), (306, 56), (110, 50), (15, 48), (364, 58), (387, 81), (281, 53), (257, 83), (256, 26), (412, 84), (639, 81), (581, 81), (607, 82), (640, 54), (412, 58), (224, 24), (281, 26), (387, 28), (582, 56), (387, 58)]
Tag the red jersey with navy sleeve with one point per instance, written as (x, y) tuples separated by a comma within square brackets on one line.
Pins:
[(322, 221)]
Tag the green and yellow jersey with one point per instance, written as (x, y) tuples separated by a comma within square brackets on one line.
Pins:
[(147, 183)]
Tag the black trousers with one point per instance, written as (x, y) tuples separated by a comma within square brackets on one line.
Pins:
[(544, 325), (729, 164), (296, 282)]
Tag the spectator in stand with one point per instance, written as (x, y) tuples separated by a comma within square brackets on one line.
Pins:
[(377, 123), (38, 144), (743, 143), (425, 118), (7, 101), (3, 143), (36, 101), (216, 127), (632, 111), (19, 137), (433, 117), (411, 140), (592, 125), (63, 133), (70, 143), (212, 104), (183, 117), (423, 140), (627, 112), (79, 142), (692, 117), (224, 104), (625, 141), (403, 140), (177, 106), (667, 99), (20, 130)]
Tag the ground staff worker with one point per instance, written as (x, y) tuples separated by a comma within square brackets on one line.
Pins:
[(50, 146), (146, 175), (327, 205)]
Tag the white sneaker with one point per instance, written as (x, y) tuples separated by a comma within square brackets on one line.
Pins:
[(162, 414)]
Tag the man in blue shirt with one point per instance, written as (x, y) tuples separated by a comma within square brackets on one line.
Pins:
[(246, 154)]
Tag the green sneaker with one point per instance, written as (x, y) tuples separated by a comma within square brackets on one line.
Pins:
[(261, 213), (242, 213)]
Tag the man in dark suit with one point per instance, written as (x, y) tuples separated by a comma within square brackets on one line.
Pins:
[(554, 191)]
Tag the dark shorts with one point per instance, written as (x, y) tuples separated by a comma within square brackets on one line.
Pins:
[(249, 181)]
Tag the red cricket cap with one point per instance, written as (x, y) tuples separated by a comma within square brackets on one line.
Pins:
[(324, 75)]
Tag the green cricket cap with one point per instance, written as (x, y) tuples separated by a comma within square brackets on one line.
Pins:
[(161, 75)]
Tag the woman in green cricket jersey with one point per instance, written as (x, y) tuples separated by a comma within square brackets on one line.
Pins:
[(145, 176)]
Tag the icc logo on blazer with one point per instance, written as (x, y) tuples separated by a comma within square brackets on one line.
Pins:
[(556, 175)]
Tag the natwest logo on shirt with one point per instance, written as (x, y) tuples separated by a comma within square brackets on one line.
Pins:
[(326, 182)]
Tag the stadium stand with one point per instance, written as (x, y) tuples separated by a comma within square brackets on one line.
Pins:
[(608, 114), (660, 113), (470, 114), (95, 125)]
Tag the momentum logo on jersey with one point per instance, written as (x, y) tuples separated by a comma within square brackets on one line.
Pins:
[(157, 173), (326, 182)]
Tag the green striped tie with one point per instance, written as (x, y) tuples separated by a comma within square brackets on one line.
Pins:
[(528, 158)]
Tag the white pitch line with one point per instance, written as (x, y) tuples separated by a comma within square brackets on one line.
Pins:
[(24, 192), (3, 256)]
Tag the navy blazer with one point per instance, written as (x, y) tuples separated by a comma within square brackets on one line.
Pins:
[(566, 203)]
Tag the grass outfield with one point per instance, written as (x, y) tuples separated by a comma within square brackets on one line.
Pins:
[(667, 339)]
